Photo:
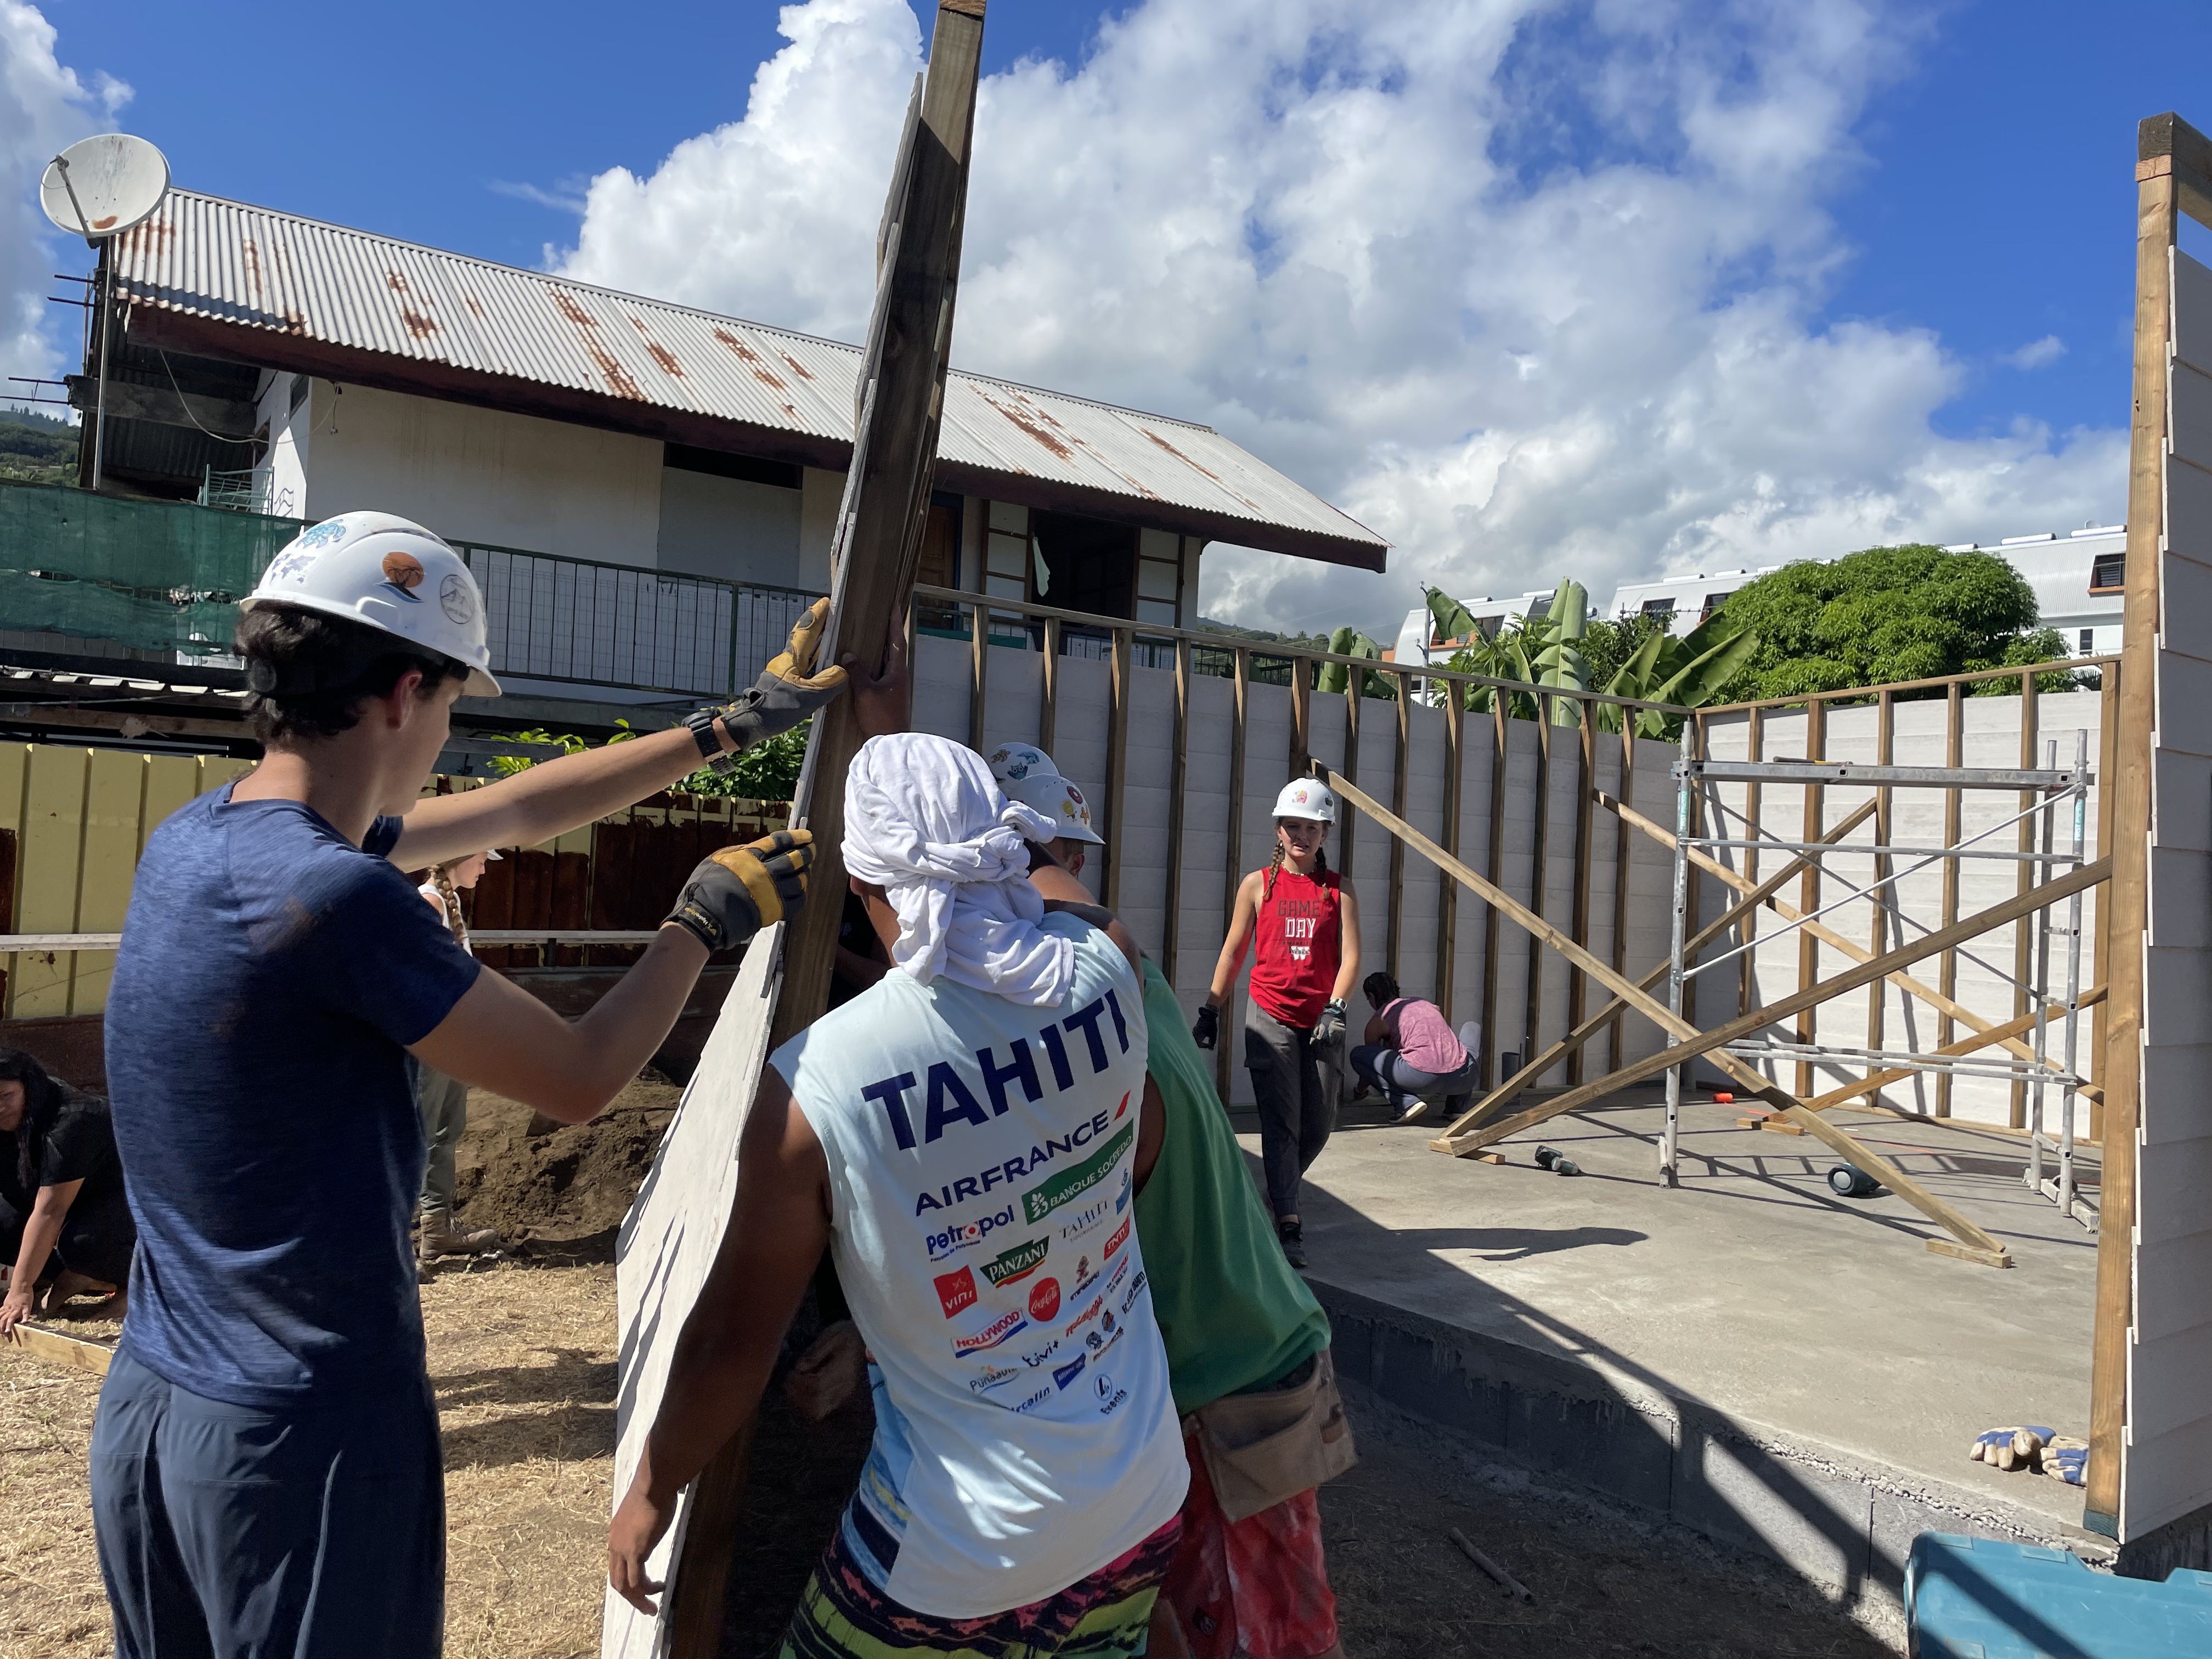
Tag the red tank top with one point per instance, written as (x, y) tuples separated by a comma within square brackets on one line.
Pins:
[(1300, 939)]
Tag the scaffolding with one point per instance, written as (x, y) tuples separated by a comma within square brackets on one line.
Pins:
[(2057, 817)]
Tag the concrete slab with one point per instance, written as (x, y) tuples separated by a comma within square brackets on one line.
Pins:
[(1779, 1367)]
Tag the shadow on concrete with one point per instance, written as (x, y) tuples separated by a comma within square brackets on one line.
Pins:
[(1517, 1243)]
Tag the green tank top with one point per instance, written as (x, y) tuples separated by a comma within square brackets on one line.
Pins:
[(1232, 1313)]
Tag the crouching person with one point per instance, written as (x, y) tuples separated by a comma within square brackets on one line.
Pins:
[(1248, 1360), (964, 1137)]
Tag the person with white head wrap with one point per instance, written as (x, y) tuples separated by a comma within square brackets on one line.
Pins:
[(925, 821)]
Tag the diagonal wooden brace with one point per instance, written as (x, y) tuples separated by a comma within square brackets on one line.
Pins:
[(1912, 988), (1966, 1045), (1504, 1094), (1977, 1245)]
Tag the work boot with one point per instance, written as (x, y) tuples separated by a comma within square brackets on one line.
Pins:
[(1292, 1233), (440, 1237)]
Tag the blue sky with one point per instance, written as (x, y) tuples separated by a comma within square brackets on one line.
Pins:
[(1960, 243)]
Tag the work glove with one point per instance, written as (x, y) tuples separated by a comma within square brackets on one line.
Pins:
[(787, 691), (2011, 1448), (1205, 1030), (1329, 1027), (738, 890), (2065, 1458)]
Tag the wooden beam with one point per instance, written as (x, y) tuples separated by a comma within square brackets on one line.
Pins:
[(1178, 769), (1049, 708), (59, 1348), (1946, 969), (1241, 698), (1499, 754), (1808, 889), (1579, 915), (1301, 755), (1884, 747), (1346, 824), (1693, 1043), (1905, 982), (899, 398), (1613, 1012), (1117, 765), (1448, 891), (1393, 927), (1754, 795), (2124, 914), (1532, 1002), (2108, 736), (1966, 1045), (979, 665), (2023, 931)]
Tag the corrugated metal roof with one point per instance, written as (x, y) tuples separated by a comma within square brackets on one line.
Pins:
[(256, 269)]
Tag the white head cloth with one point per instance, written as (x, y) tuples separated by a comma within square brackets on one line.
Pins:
[(924, 822)]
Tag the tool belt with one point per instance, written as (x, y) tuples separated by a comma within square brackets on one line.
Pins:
[(1263, 1447)]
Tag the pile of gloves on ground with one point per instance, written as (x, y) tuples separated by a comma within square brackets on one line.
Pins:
[(2035, 1448)]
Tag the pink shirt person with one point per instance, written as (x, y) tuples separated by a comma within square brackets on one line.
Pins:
[(1422, 1035)]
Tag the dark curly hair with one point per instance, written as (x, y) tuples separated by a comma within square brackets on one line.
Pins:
[(42, 1102), (310, 673), (1381, 988)]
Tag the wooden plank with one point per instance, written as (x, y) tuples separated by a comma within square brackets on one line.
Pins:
[(114, 809), (2108, 732), (1301, 717), (1532, 1002), (1394, 923), (1966, 1045), (1117, 766), (899, 399), (1346, 824), (2124, 914), (1499, 1099), (667, 1245), (1946, 969), (1448, 891), (59, 1348), (1241, 698), (1049, 708), (1171, 933), (1906, 982), (1754, 795), (979, 671), (1694, 1042), (1885, 749), (1622, 866), (2023, 931), (46, 883), (1579, 912), (1499, 754), (1808, 889)]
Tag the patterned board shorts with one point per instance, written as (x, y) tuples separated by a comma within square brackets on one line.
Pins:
[(843, 1615), (1256, 1587)]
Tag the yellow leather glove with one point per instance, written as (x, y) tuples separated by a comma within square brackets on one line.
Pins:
[(789, 689), (738, 890)]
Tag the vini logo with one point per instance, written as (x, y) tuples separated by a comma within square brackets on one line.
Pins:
[(956, 1291)]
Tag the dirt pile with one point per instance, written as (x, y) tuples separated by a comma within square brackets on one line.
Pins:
[(562, 1193)]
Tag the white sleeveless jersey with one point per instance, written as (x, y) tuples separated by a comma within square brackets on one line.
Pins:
[(980, 1158)]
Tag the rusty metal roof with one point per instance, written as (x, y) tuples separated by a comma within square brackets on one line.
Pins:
[(321, 296)]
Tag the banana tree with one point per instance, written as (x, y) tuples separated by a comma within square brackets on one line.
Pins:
[(1540, 651), (1336, 675), (1691, 671)]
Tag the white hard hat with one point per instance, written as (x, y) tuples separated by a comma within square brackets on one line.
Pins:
[(1012, 761), (1058, 799), (394, 576), (1307, 798)]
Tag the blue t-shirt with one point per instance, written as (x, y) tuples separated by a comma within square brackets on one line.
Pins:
[(269, 973)]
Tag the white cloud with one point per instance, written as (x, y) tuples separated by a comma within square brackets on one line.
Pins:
[(2036, 353), (1532, 289), (44, 107)]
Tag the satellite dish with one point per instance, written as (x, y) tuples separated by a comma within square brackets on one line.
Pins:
[(104, 185)]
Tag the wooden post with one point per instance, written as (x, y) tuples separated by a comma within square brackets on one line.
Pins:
[(1302, 673), (1754, 801), (1885, 749), (2108, 736), (2023, 931), (1117, 765), (1344, 822), (1809, 887), (979, 646), (2160, 176), (1393, 929), (1049, 708), (1499, 754), (1947, 972), (1532, 1004), (1172, 930), (1448, 891), (899, 398), (1226, 1044), (1585, 781), (1622, 866)]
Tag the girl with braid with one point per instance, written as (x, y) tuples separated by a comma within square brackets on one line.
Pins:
[(1307, 961), (444, 1101)]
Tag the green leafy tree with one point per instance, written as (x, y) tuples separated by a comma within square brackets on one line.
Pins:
[(768, 771), (1888, 613)]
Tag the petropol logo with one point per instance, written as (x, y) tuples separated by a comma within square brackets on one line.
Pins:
[(992, 1377), (1018, 1262), (1003, 1327), (953, 1240)]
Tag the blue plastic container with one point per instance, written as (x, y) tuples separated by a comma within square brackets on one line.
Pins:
[(1974, 1598)]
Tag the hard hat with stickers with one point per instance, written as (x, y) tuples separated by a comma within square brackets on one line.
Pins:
[(1307, 798)]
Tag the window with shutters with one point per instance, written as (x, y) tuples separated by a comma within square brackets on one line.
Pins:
[(2109, 573)]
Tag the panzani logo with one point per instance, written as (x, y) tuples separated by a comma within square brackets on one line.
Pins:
[(1017, 1263)]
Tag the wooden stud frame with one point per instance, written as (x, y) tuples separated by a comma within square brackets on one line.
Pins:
[(1178, 774), (1947, 971), (1225, 1045), (1117, 766)]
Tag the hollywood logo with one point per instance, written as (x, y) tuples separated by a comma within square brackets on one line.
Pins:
[(1017, 1263), (1007, 1325), (1044, 1300), (1068, 1373), (992, 1377), (955, 1239), (955, 1291), (1121, 1238)]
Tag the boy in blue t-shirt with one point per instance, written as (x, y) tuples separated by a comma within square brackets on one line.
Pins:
[(265, 1472)]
